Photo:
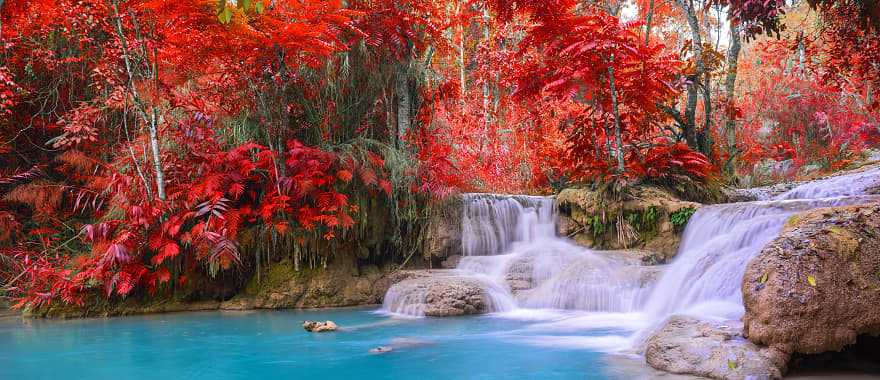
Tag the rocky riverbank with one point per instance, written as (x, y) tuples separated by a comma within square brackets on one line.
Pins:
[(342, 283)]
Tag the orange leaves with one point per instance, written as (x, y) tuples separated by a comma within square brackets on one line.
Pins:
[(344, 175)]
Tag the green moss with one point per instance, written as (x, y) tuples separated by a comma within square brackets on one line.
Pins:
[(681, 217), (644, 221), (277, 276), (793, 221)]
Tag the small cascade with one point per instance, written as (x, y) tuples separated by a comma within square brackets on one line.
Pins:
[(718, 243), (706, 277), (491, 223), (849, 185), (510, 246)]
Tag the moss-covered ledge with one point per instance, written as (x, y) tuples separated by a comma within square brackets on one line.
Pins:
[(647, 218)]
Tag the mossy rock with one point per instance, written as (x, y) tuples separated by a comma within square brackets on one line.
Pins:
[(649, 218)]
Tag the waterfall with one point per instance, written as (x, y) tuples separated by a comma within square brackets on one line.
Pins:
[(706, 276), (719, 241), (510, 245), (492, 223)]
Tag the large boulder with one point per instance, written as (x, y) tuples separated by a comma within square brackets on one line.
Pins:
[(440, 294), (816, 288), (520, 274), (685, 345)]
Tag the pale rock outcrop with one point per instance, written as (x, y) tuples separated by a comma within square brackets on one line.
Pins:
[(438, 295), (686, 345), (442, 234)]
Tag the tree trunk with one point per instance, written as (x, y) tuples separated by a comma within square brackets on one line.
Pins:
[(621, 167), (462, 70), (150, 120), (487, 115), (648, 19), (730, 90), (690, 111), (404, 102), (157, 156)]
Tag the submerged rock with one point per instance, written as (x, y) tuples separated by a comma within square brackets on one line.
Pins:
[(381, 350), (400, 343), (326, 326), (686, 345), (817, 286)]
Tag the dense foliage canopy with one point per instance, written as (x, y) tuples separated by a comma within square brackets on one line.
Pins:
[(149, 144)]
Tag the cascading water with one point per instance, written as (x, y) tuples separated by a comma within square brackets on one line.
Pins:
[(705, 278), (510, 245), (718, 243), (492, 223)]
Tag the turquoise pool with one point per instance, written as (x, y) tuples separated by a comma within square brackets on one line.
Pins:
[(271, 344)]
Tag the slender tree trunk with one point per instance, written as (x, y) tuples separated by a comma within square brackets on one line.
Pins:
[(621, 167), (487, 114), (462, 70), (648, 19), (730, 91), (869, 93), (157, 156), (134, 159), (150, 120), (404, 102), (690, 111)]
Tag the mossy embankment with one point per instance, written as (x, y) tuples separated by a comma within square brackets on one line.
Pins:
[(648, 220)]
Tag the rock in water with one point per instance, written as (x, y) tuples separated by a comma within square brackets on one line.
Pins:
[(685, 345), (441, 294), (817, 286), (381, 350), (326, 326)]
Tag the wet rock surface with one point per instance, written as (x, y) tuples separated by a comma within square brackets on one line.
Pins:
[(317, 327), (686, 345), (520, 274), (816, 288), (442, 238), (438, 294)]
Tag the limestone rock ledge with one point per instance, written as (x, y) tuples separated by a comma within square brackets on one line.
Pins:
[(439, 294), (686, 345), (341, 284), (817, 286)]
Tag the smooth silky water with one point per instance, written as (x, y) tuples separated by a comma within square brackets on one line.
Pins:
[(581, 314)]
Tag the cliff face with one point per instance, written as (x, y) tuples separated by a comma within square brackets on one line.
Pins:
[(816, 288)]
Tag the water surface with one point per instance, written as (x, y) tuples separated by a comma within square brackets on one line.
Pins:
[(272, 344)]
